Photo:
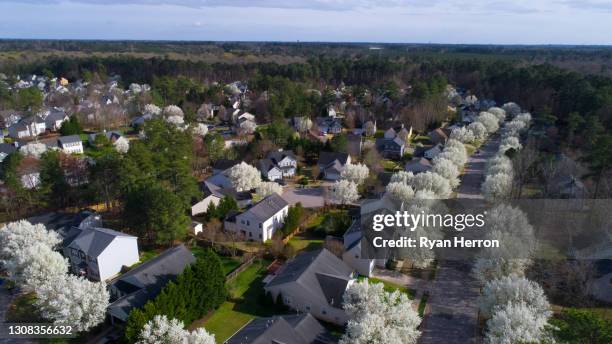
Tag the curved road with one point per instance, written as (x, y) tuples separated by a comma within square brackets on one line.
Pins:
[(452, 315)]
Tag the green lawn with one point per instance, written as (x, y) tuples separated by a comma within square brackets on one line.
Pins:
[(390, 287), (423, 304), (389, 165), (300, 243), (246, 296)]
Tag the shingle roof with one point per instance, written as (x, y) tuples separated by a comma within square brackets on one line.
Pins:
[(224, 164), (7, 148), (294, 329), (278, 156), (69, 139), (318, 272), (326, 158), (268, 206), (93, 241)]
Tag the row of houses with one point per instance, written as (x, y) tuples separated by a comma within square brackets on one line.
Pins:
[(49, 120)]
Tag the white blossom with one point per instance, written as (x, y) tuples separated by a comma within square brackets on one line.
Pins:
[(356, 173), (489, 268), (72, 300), (524, 117), (265, 189), (497, 186), (479, 130), (489, 121), (20, 235), (200, 336), (122, 145), (173, 110), (38, 264), (377, 317), (244, 177), (512, 289), (433, 182), (500, 164), (499, 113), (33, 149), (462, 134), (344, 192), (512, 108), (402, 177), (517, 323), (400, 191), (448, 170), (514, 127), (152, 109), (509, 142), (135, 88), (171, 331), (201, 129), (176, 120)]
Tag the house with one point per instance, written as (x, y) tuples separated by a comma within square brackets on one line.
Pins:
[(433, 151), (196, 227), (313, 282), (354, 145), (28, 127), (332, 164), (70, 144), (295, 329), (418, 165), (55, 119), (438, 136), (213, 194), (261, 220), (391, 148), (19, 130), (112, 136), (329, 125), (278, 165), (142, 283), (101, 253), (5, 150), (68, 225)]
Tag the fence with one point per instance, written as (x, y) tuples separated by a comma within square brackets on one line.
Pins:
[(230, 276)]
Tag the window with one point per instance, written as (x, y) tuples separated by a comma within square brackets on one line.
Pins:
[(259, 236), (323, 311), (308, 308), (248, 223), (250, 234), (260, 225)]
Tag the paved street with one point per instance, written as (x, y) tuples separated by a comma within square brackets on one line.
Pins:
[(452, 315), (309, 197), (5, 301)]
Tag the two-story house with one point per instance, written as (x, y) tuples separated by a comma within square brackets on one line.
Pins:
[(329, 125), (70, 144), (391, 146), (261, 220), (55, 118), (332, 164), (278, 165), (100, 253), (313, 282)]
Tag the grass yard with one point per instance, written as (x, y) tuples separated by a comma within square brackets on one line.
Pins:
[(228, 263), (245, 303), (423, 304), (390, 287), (22, 310), (389, 165), (303, 243)]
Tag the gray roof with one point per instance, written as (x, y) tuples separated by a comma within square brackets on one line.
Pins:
[(318, 272), (278, 156), (326, 158), (55, 115), (69, 139), (268, 206), (224, 164), (93, 241), (65, 224), (418, 165), (110, 135), (7, 148), (145, 281), (295, 329), (266, 165)]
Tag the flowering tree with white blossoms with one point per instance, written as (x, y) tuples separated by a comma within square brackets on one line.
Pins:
[(33, 149), (478, 130), (303, 124), (512, 108), (17, 236), (402, 177), (509, 142), (244, 177), (152, 109), (512, 289), (201, 129), (499, 113), (176, 120), (462, 134), (400, 191), (36, 265), (265, 189), (171, 331), (524, 117), (489, 121), (378, 317), (173, 110), (356, 173), (517, 323), (514, 127), (448, 170), (434, 182), (500, 164), (72, 300), (497, 186), (122, 145), (344, 192)]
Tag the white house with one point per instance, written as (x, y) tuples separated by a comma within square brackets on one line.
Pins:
[(28, 127), (278, 165), (332, 164), (70, 144), (101, 253), (55, 118), (260, 221), (19, 130)]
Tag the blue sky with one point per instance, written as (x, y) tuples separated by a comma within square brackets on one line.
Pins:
[(412, 21)]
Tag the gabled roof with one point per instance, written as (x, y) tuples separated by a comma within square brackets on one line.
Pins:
[(294, 329), (326, 158), (63, 140), (93, 241), (278, 156), (7, 148), (267, 207), (266, 165), (319, 272), (224, 164)]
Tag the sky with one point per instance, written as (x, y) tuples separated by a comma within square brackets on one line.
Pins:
[(397, 21)]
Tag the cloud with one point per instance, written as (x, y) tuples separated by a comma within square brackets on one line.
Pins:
[(596, 5)]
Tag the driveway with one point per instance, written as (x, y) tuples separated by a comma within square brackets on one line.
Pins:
[(309, 197)]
